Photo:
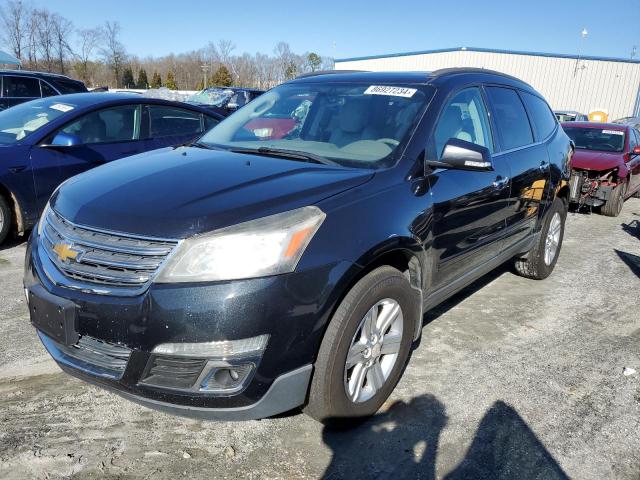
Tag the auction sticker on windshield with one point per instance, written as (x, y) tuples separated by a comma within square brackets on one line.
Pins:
[(61, 107), (392, 91), (612, 132)]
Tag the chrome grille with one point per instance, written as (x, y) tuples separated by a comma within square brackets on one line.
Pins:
[(103, 258)]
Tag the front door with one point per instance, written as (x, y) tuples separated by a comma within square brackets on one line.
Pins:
[(469, 206), (104, 135)]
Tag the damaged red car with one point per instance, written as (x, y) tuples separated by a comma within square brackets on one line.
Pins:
[(605, 167)]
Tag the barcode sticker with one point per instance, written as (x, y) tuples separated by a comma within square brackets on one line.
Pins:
[(392, 91)]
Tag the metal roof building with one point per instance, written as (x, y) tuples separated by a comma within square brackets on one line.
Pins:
[(568, 82)]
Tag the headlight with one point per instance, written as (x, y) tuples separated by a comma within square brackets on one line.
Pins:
[(266, 246)]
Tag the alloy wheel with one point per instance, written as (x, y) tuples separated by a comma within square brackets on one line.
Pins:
[(373, 351), (553, 239)]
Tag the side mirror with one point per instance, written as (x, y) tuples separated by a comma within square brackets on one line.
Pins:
[(462, 155), (636, 150), (64, 140)]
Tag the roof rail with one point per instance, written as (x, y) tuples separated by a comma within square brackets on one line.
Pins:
[(328, 72)]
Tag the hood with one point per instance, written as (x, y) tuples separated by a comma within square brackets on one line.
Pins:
[(594, 160), (178, 193)]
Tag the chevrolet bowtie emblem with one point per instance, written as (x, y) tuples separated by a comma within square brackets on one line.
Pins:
[(66, 252)]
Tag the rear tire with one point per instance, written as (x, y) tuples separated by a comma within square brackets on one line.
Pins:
[(5, 219), (353, 375), (613, 206), (540, 261)]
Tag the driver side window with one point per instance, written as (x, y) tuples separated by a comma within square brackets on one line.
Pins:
[(465, 118), (110, 125)]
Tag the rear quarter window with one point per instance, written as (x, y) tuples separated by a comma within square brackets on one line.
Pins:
[(544, 122), (510, 118)]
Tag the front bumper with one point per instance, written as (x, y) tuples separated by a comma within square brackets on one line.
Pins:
[(291, 309)]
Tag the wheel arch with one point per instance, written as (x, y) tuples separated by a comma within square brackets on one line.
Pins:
[(14, 204), (401, 253)]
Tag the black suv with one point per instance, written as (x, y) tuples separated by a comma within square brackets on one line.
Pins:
[(283, 261), (18, 86)]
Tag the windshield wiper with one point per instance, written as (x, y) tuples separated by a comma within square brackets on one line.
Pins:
[(280, 152), (197, 144)]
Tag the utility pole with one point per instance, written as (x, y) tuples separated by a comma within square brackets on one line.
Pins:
[(205, 69)]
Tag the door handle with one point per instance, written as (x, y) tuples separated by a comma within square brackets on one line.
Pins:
[(544, 165), (500, 182), (17, 169)]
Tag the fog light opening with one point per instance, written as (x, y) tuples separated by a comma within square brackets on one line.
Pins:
[(227, 379)]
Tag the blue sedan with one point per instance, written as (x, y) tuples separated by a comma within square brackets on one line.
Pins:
[(46, 141)]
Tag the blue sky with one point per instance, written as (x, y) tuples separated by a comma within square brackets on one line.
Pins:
[(364, 28)]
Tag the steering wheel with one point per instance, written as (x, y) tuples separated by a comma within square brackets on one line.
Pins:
[(389, 141)]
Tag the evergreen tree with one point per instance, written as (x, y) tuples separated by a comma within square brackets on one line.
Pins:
[(143, 82), (314, 61), (291, 71), (171, 81), (127, 78), (222, 77), (156, 80)]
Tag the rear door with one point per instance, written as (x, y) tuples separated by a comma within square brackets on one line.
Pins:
[(105, 135), (524, 150), (469, 206), (169, 125)]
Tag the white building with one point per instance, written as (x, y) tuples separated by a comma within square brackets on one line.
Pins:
[(568, 82)]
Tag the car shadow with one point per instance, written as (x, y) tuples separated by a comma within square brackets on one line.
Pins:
[(632, 261), (632, 228), (403, 443), (13, 241)]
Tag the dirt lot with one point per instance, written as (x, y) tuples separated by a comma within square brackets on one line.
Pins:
[(513, 379)]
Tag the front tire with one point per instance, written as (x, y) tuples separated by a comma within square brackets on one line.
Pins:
[(365, 348), (613, 206), (5, 219), (540, 261)]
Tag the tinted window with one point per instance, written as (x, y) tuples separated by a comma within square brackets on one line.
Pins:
[(464, 118), (70, 86), (543, 119), (47, 91), (118, 124), (20, 87), (210, 122), (170, 121), (510, 117)]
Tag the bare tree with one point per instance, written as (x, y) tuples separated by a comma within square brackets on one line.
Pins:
[(62, 31), (88, 41), (44, 36), (13, 19), (113, 51)]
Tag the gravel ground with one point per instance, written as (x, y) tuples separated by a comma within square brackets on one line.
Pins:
[(513, 378)]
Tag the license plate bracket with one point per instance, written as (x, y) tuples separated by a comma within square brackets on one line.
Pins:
[(54, 316)]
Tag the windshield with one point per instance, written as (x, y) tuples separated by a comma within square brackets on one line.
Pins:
[(600, 139), (217, 97), (352, 124), (22, 120)]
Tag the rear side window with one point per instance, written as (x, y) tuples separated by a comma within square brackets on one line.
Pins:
[(210, 122), (20, 87), (510, 118), (69, 86), (47, 91), (170, 121), (543, 119)]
